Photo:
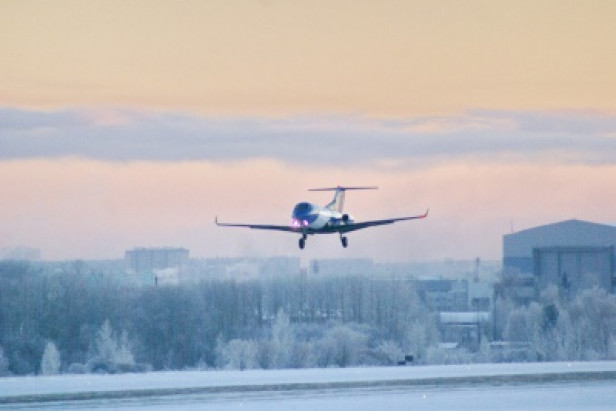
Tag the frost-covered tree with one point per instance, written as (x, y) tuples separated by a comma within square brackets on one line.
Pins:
[(559, 329), (502, 308), (593, 317), (105, 344), (240, 354), (282, 341), (219, 352), (342, 346), (111, 352), (611, 349), (51, 362), (388, 352), (519, 326), (420, 335), (303, 355), (124, 355), (4, 363)]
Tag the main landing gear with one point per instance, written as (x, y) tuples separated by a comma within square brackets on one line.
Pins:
[(302, 241)]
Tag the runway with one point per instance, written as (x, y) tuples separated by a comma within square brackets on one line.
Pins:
[(484, 386)]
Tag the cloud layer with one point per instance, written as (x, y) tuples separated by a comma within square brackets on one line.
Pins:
[(132, 135)]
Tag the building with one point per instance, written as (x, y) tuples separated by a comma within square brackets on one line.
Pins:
[(443, 294), (149, 260), (342, 266), (480, 295), (571, 255), (20, 253), (465, 329)]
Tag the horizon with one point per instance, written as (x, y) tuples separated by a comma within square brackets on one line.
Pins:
[(303, 261)]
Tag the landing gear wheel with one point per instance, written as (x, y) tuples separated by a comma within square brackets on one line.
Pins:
[(302, 243), (344, 241)]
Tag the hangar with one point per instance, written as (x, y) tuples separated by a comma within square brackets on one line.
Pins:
[(571, 255)]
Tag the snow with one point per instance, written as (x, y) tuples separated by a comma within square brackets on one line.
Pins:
[(497, 386)]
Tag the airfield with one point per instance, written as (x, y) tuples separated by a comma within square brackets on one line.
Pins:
[(528, 386)]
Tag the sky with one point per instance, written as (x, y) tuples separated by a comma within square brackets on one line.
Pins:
[(134, 123)]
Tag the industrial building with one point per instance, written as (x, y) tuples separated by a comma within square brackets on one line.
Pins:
[(341, 266), (443, 294), (147, 260), (572, 255), (465, 329)]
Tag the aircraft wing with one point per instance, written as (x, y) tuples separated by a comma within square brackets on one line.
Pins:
[(262, 226), (373, 223), (343, 228)]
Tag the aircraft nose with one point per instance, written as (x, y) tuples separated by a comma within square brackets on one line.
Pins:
[(302, 211), (304, 214)]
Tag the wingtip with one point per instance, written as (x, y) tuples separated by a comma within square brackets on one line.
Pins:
[(427, 212)]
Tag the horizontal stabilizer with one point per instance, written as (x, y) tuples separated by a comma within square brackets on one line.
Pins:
[(337, 203), (340, 188)]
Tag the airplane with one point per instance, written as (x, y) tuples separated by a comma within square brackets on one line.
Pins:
[(310, 219)]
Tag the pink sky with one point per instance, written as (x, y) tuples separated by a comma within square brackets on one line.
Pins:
[(89, 209)]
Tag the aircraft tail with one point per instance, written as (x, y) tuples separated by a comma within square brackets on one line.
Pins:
[(337, 204)]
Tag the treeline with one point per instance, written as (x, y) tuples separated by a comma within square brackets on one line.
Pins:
[(98, 324), (560, 326), (80, 321)]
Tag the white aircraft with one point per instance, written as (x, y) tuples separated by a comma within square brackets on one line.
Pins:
[(309, 219)]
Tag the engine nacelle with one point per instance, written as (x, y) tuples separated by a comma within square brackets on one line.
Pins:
[(347, 219)]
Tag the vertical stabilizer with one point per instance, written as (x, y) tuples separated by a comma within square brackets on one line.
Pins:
[(337, 203)]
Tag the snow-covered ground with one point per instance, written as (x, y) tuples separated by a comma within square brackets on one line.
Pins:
[(577, 385)]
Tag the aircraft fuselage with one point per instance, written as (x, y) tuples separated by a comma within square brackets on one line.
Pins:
[(314, 217)]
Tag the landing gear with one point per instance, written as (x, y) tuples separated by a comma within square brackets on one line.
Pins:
[(302, 241)]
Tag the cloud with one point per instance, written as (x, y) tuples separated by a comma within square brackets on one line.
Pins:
[(132, 135)]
